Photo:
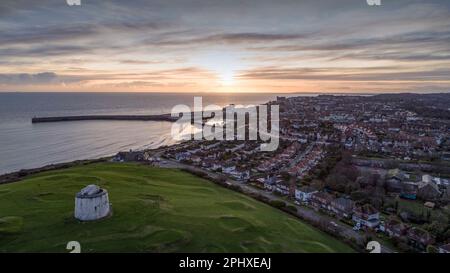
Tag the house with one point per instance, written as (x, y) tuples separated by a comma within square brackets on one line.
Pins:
[(207, 163), (445, 156), (321, 200), (269, 183), (243, 175), (409, 190), (428, 190), (366, 215), (395, 174), (394, 185), (259, 181), (444, 248), (419, 238), (343, 207), (282, 187), (131, 156), (183, 156), (196, 159), (395, 228), (394, 180), (269, 186), (446, 195), (427, 178), (228, 169), (304, 194), (441, 181), (216, 167)]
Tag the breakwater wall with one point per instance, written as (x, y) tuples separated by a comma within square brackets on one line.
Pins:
[(163, 117)]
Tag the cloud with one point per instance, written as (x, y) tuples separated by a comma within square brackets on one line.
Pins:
[(138, 62), (44, 34), (152, 78), (36, 79), (234, 38), (345, 74), (73, 32), (410, 39), (320, 41), (47, 51)]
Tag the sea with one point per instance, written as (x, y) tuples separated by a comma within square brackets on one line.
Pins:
[(24, 145)]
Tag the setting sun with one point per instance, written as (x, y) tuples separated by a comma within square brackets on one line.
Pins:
[(227, 78)]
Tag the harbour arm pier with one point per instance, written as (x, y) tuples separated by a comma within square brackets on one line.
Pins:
[(162, 117)]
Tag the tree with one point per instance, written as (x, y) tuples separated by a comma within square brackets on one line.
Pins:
[(391, 164), (285, 176), (432, 249), (318, 184), (277, 204), (351, 187), (336, 182), (438, 229), (360, 196)]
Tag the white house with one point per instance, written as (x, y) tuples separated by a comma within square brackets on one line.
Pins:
[(228, 169), (269, 183), (366, 215), (282, 188), (183, 156), (304, 194)]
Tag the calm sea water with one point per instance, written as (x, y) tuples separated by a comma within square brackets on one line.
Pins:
[(25, 145)]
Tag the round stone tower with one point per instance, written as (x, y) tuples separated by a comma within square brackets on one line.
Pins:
[(91, 203)]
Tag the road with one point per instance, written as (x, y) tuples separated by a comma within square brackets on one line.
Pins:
[(300, 156)]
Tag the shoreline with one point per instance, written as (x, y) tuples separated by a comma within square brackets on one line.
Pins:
[(16, 176)]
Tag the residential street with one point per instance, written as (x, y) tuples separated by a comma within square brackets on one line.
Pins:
[(303, 212)]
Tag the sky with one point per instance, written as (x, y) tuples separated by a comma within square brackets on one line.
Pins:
[(225, 46)]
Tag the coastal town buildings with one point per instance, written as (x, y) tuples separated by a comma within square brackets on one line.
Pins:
[(376, 162)]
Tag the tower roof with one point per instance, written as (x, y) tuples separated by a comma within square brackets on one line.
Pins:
[(90, 191)]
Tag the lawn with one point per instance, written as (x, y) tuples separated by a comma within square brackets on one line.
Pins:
[(154, 210), (418, 208)]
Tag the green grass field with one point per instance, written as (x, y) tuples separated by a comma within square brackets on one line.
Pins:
[(154, 210)]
